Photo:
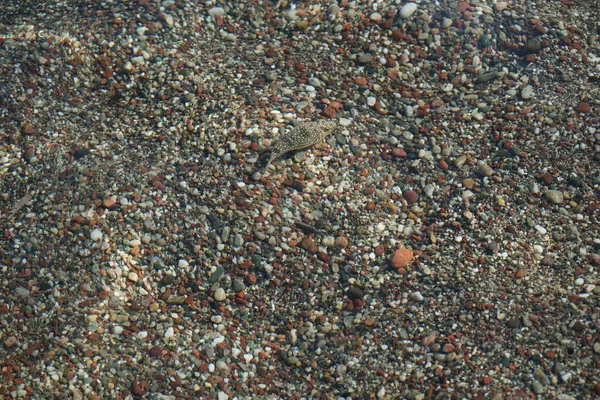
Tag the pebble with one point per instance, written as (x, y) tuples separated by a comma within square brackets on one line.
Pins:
[(220, 294), (169, 333), (238, 285), (537, 387), (354, 293), (401, 258), (10, 342), (555, 196), (410, 196), (96, 235), (416, 296), (408, 9), (365, 58), (216, 12), (527, 92), (583, 107), (484, 169)]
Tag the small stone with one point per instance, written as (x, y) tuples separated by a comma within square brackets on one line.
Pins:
[(293, 361), (355, 293), (376, 17), (555, 196), (365, 58), (10, 342), (578, 327), (513, 323), (216, 275), (583, 107), (95, 235), (533, 45), (484, 169), (137, 389), (341, 242), (222, 396), (309, 245), (398, 152), (216, 12), (238, 285), (117, 330), (220, 294), (401, 258), (416, 296), (410, 196), (408, 9), (21, 292), (132, 276), (170, 333), (501, 5), (527, 92), (155, 351), (29, 153), (537, 387)]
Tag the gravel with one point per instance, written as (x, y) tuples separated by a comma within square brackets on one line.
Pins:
[(444, 242)]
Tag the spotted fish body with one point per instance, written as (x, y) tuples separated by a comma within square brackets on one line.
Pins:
[(304, 135)]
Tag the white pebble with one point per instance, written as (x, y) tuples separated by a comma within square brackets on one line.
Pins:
[(538, 249), (408, 9), (222, 396), (371, 101), (183, 264), (216, 12), (579, 281), (345, 122), (220, 294), (417, 296), (96, 235), (169, 334), (541, 230), (117, 330)]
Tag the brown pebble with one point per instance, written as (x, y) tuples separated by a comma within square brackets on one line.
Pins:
[(469, 183), (597, 388), (578, 326), (156, 351), (29, 153), (583, 107), (341, 242), (401, 258), (309, 245), (410, 196), (10, 342), (520, 273), (399, 152), (137, 389), (370, 321), (448, 348)]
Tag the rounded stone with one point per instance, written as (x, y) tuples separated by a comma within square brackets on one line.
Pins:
[(401, 258), (410, 196), (555, 196), (220, 294), (408, 9)]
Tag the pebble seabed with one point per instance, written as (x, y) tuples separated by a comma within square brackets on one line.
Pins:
[(443, 244)]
